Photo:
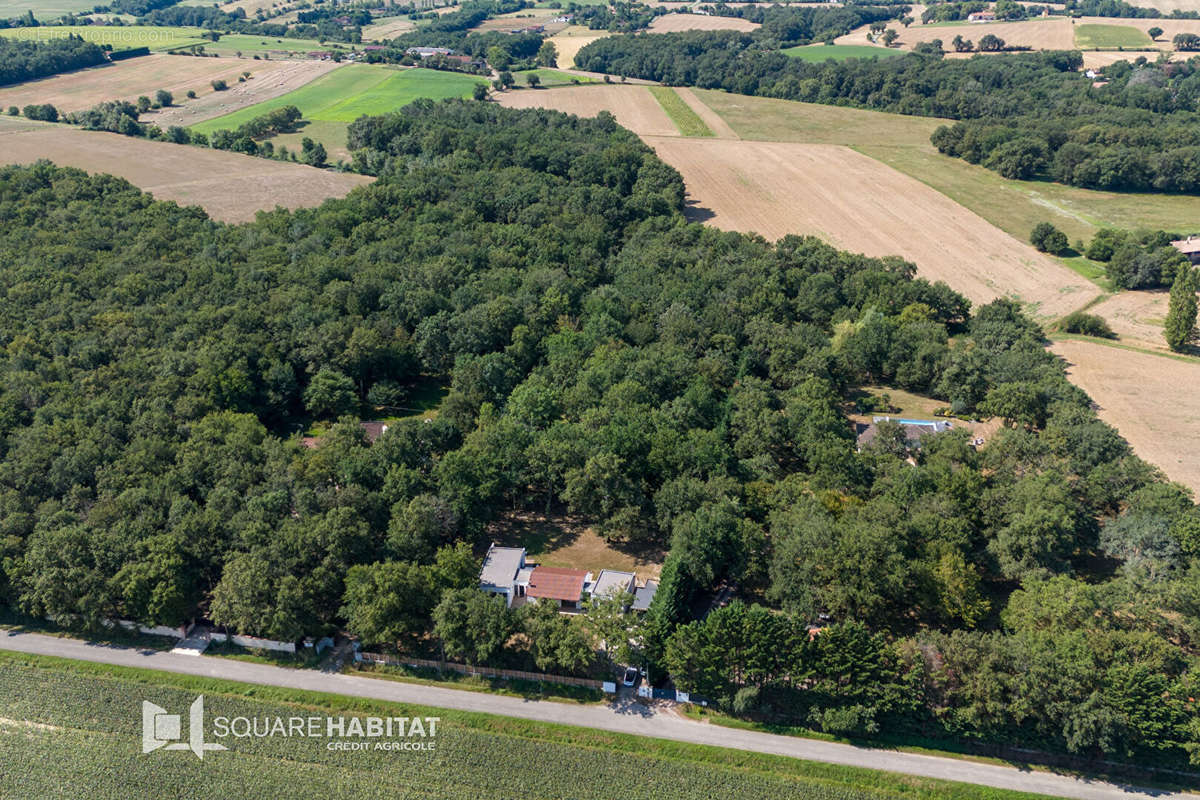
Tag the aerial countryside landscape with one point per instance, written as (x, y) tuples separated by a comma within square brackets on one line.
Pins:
[(574, 399)]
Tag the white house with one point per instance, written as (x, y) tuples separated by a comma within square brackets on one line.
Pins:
[(500, 572)]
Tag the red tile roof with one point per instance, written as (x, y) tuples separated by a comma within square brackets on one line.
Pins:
[(557, 583)]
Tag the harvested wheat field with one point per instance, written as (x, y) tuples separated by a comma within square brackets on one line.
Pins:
[(1170, 27), (1167, 6), (1150, 399), (571, 40), (673, 23), (633, 106), (1054, 33), (387, 27), (283, 77), (126, 80), (229, 186), (859, 204), (1136, 317)]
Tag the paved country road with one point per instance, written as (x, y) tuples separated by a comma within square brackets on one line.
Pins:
[(620, 716)]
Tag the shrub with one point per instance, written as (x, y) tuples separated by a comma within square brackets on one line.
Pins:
[(219, 85), (163, 98), (191, 93), (1088, 325), (1049, 239), (44, 112)]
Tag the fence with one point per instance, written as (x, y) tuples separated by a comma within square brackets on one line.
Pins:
[(485, 672), (254, 643)]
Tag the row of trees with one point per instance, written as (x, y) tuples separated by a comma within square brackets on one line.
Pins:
[(669, 383), (22, 60)]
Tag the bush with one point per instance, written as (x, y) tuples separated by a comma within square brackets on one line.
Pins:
[(1088, 325), (163, 98), (13, 111), (44, 112), (191, 94), (1049, 239), (219, 85)]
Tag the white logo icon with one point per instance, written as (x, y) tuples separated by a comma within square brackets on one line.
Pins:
[(160, 729)]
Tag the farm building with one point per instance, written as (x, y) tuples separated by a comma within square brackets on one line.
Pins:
[(914, 429), (426, 52), (558, 584), (1190, 247), (502, 567), (982, 16)]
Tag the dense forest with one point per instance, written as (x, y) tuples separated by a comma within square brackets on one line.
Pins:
[(1029, 115), (22, 61), (669, 383)]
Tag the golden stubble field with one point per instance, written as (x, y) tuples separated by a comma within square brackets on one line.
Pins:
[(231, 187), (1150, 399), (673, 23), (831, 191), (126, 80), (571, 40)]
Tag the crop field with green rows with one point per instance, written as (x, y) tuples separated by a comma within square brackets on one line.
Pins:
[(75, 731)]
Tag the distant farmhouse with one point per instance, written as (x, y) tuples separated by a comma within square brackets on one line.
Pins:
[(982, 16), (426, 52), (1190, 247)]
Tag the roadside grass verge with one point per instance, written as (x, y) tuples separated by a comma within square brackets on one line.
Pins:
[(686, 120), (78, 725), (530, 690)]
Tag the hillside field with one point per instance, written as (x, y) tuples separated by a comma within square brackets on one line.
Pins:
[(231, 187), (126, 80), (44, 9), (122, 37), (673, 23), (333, 101), (82, 724)]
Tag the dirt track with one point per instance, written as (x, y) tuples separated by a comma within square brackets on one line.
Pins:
[(673, 23), (126, 80), (229, 186), (1150, 399)]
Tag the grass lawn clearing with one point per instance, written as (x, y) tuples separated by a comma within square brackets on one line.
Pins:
[(839, 52), (1098, 37), (275, 46), (686, 120), (557, 541)]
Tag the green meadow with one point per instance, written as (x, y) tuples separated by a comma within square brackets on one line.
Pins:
[(45, 9), (331, 102)]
